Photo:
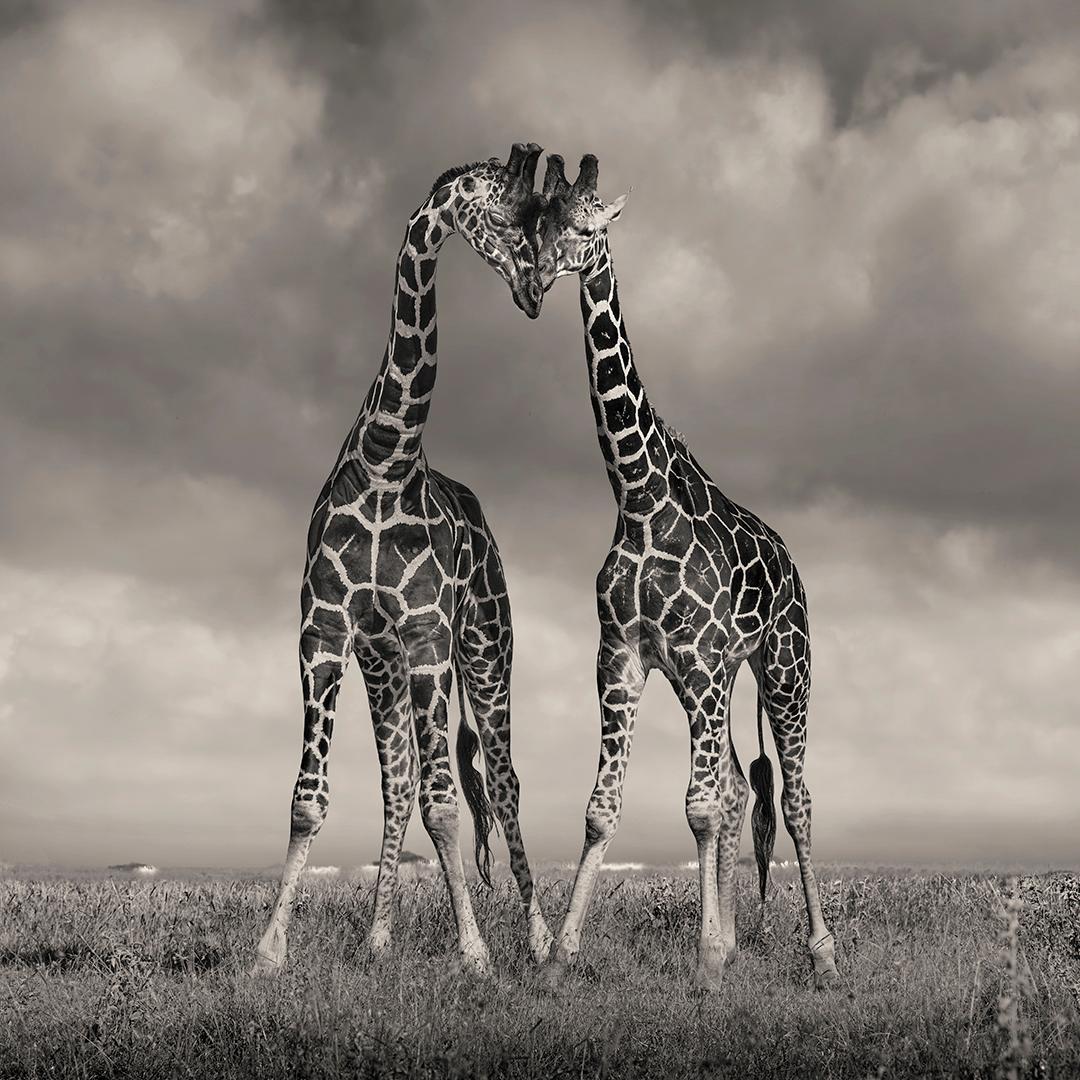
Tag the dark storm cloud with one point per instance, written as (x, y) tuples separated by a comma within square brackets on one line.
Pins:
[(939, 404), (847, 36), (190, 326), (932, 374), (849, 266)]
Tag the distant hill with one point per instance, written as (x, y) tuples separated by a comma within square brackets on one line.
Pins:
[(408, 858), (135, 868)]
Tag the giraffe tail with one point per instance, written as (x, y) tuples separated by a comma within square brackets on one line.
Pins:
[(472, 784), (763, 819)]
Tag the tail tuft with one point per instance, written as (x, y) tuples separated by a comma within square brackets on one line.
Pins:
[(763, 819), (472, 787)]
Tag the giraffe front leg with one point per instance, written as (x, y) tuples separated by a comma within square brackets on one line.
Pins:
[(795, 802), (620, 678), (715, 810), (504, 791), (322, 665), (391, 717), (399, 794), (796, 807), (430, 683), (715, 805)]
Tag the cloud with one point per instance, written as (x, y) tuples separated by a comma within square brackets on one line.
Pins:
[(848, 37), (154, 141)]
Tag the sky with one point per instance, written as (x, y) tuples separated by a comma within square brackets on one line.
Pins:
[(849, 267)]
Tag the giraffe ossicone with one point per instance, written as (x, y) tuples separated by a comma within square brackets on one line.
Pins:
[(694, 585), (403, 573)]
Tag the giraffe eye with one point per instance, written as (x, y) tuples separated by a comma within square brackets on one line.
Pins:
[(498, 219)]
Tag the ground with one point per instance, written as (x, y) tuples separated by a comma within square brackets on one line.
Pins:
[(943, 975)]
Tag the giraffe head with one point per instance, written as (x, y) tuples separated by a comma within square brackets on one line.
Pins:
[(493, 206), (574, 221)]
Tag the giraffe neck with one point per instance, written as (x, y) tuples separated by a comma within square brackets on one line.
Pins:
[(633, 440), (386, 437)]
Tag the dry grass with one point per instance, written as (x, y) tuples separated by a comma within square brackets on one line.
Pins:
[(944, 975)]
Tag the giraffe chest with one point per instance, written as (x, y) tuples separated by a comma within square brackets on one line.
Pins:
[(386, 554), (685, 609), (698, 616), (414, 558), (685, 596)]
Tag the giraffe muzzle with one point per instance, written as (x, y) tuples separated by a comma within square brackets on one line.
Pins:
[(529, 296)]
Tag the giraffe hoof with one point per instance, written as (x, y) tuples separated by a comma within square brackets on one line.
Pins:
[(379, 942), (708, 983), (475, 964), (270, 952), (825, 973), (710, 971), (266, 966), (541, 948), (555, 973)]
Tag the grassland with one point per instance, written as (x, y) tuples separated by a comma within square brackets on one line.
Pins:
[(102, 978)]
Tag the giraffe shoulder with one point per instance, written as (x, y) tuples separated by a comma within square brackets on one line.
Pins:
[(462, 506)]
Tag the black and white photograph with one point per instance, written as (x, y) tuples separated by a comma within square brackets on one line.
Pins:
[(756, 350)]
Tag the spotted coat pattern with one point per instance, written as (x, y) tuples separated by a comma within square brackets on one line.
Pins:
[(693, 585), (403, 573)]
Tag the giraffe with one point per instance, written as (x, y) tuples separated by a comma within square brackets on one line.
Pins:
[(693, 586), (403, 573)]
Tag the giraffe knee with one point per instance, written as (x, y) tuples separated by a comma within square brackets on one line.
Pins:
[(703, 815), (440, 820), (601, 822), (308, 812)]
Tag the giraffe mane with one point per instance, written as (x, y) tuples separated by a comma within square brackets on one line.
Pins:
[(675, 433), (453, 174)]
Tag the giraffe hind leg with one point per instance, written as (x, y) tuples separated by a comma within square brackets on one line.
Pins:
[(783, 672), (485, 649)]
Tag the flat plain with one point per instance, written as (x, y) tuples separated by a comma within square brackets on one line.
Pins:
[(944, 975)]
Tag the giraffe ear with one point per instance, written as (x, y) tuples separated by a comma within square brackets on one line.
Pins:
[(604, 217)]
